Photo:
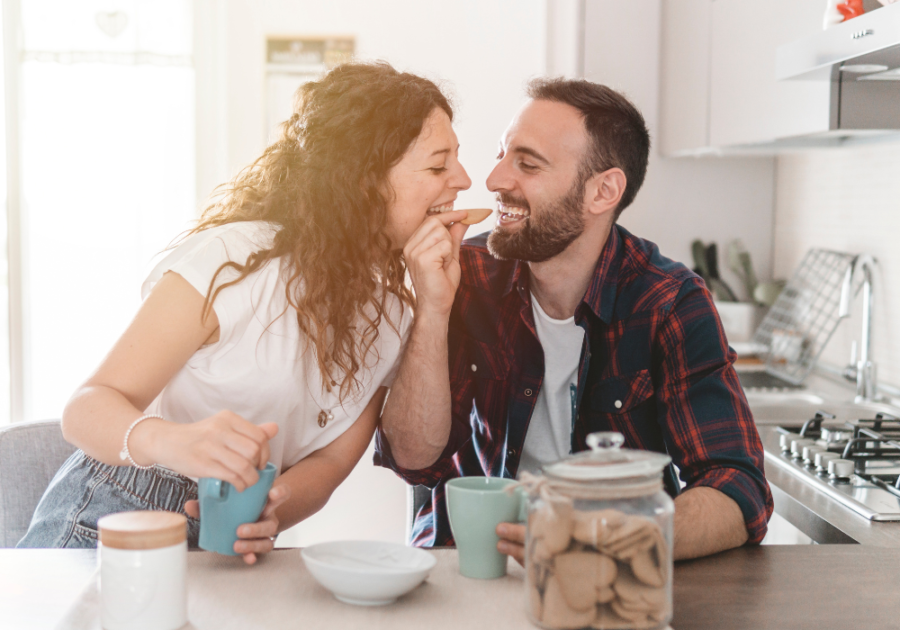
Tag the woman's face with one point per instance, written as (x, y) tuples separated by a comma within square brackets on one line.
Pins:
[(426, 180)]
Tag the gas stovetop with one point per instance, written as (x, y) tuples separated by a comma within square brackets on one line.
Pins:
[(855, 462)]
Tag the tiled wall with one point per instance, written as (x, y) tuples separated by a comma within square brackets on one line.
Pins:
[(846, 199)]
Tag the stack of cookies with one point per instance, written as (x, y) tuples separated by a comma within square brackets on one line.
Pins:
[(600, 569)]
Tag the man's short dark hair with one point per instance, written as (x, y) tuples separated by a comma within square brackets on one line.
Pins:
[(617, 131)]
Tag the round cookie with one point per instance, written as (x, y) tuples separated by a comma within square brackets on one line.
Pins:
[(605, 595), (632, 527), (638, 617), (552, 524), (651, 566), (476, 215), (607, 619), (647, 569), (633, 596), (558, 614), (593, 528), (605, 571), (574, 571)]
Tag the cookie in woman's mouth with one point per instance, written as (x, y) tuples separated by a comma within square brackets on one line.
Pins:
[(476, 215)]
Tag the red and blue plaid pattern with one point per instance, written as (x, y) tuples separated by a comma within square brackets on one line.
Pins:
[(657, 369)]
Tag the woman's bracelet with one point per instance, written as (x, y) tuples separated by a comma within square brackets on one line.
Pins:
[(125, 454)]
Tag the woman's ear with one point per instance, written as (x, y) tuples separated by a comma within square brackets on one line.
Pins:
[(604, 191)]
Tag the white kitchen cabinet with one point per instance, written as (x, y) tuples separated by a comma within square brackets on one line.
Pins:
[(718, 90), (746, 103), (684, 76)]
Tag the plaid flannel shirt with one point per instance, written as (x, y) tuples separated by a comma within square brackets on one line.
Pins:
[(655, 367)]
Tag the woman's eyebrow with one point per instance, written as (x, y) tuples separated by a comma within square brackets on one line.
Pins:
[(444, 150)]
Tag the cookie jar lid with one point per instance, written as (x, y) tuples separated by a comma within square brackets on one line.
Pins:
[(148, 529), (607, 460)]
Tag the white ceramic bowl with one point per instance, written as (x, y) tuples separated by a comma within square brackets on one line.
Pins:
[(367, 573)]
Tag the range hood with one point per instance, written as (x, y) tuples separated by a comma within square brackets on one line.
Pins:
[(861, 59)]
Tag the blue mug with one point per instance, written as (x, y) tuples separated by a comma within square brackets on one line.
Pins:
[(223, 509)]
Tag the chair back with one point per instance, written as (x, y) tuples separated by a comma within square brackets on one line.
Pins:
[(30, 454)]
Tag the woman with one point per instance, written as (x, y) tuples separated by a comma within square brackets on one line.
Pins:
[(271, 332)]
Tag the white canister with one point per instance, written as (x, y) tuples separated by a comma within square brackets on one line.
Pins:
[(143, 571)]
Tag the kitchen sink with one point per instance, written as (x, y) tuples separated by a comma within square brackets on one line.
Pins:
[(768, 398)]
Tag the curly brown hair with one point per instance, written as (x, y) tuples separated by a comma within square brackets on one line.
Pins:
[(324, 183)]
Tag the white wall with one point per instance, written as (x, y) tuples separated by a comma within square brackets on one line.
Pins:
[(712, 198), (565, 38), (847, 200), (483, 52)]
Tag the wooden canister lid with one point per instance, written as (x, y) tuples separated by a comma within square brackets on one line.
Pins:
[(142, 530)]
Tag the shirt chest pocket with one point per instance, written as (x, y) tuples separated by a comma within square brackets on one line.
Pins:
[(621, 400), (478, 381), (485, 361)]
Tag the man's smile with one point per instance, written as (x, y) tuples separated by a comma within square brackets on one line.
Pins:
[(512, 214)]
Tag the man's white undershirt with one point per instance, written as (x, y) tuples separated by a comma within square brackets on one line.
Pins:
[(549, 434)]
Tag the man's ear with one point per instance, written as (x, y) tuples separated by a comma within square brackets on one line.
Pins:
[(603, 191)]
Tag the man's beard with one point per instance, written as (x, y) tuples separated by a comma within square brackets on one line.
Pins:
[(547, 231)]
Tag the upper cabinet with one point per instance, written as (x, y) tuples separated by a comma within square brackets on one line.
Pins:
[(719, 90), (684, 76), (747, 104)]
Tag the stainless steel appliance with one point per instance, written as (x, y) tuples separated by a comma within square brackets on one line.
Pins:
[(855, 462), (861, 58)]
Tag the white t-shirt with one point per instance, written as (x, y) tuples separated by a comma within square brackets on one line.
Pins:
[(549, 436), (258, 368)]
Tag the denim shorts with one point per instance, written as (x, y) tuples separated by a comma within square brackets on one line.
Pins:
[(84, 490)]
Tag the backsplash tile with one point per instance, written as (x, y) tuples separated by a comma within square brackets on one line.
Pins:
[(846, 199)]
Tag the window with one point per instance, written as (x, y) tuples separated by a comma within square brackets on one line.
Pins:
[(106, 150), (4, 264)]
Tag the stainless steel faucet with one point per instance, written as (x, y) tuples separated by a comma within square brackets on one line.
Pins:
[(863, 371)]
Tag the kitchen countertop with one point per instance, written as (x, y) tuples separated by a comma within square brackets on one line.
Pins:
[(778, 586), (788, 586)]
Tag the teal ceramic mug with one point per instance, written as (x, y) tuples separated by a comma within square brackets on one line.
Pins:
[(223, 509), (476, 505)]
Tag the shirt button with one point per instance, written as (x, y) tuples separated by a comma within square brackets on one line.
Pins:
[(528, 392), (510, 453), (474, 368), (618, 404)]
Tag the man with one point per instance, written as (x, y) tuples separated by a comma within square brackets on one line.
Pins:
[(561, 323)]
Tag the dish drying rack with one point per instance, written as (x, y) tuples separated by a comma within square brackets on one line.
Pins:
[(807, 312)]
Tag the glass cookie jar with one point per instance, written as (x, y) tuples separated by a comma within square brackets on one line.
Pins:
[(598, 548)]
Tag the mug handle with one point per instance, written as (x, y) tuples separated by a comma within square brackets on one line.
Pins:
[(214, 489)]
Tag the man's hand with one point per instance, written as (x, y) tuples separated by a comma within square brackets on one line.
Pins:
[(432, 257), (512, 541)]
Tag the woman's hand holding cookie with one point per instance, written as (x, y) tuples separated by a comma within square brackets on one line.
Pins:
[(432, 257)]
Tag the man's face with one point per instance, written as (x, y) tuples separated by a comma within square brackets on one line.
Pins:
[(539, 183)]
